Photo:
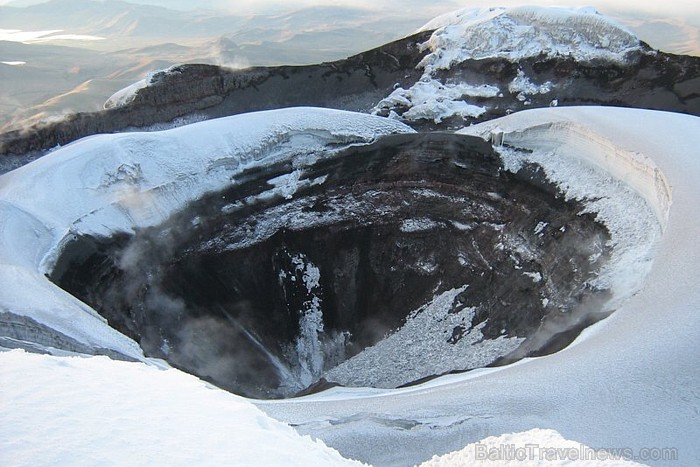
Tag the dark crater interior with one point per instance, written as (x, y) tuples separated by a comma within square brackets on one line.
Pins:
[(261, 289)]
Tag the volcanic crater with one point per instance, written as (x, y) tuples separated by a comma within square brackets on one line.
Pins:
[(280, 282)]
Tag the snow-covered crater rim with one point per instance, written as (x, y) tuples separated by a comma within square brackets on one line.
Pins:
[(625, 189), (633, 168)]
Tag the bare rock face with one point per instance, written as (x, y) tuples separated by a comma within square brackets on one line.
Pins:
[(266, 287)]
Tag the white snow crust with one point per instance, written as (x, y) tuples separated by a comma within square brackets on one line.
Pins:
[(429, 99), (536, 447), (77, 411), (525, 31)]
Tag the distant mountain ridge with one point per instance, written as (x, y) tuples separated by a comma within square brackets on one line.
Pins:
[(427, 79)]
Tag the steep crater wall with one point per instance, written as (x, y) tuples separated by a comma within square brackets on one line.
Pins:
[(294, 277)]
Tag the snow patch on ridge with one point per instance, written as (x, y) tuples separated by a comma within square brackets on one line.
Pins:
[(523, 87), (431, 100), (127, 95), (525, 31)]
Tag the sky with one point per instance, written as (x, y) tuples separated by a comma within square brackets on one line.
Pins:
[(676, 8), (683, 11)]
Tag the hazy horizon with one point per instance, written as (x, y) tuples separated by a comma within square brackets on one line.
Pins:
[(686, 9), (639, 15)]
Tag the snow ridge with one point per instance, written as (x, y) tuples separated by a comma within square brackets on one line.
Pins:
[(127, 95), (526, 31)]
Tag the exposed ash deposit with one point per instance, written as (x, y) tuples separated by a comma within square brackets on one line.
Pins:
[(410, 257)]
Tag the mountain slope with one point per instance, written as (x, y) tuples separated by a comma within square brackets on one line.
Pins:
[(427, 79)]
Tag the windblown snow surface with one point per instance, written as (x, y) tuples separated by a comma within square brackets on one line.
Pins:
[(525, 31), (532, 447), (77, 411), (508, 33)]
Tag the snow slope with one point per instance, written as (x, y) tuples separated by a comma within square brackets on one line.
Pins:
[(525, 31), (630, 381), (121, 182), (96, 411), (128, 94)]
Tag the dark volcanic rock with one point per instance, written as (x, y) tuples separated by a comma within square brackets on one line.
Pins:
[(261, 290), (23, 332), (356, 83)]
